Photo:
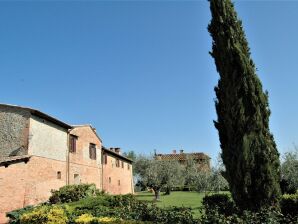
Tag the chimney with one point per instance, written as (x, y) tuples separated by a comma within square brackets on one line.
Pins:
[(174, 151), (181, 151), (112, 149), (118, 150)]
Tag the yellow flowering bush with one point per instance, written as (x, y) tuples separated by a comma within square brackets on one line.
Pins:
[(89, 219), (107, 219), (45, 215), (85, 219)]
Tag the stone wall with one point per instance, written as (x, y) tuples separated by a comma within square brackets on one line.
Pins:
[(14, 128)]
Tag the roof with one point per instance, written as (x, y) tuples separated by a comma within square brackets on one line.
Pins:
[(116, 154), (88, 125), (182, 156), (5, 161), (40, 114)]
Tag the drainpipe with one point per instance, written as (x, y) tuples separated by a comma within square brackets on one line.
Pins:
[(132, 186), (67, 158), (102, 162)]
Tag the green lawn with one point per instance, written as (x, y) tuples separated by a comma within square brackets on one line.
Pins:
[(176, 198)]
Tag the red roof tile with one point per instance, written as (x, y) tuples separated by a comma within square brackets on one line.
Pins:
[(182, 156)]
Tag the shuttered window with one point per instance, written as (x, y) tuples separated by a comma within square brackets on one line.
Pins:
[(117, 163), (92, 151), (105, 159), (72, 143)]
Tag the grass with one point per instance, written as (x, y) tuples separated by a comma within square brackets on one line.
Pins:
[(176, 198)]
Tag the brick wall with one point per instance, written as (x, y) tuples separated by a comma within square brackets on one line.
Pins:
[(27, 184), (113, 174), (85, 169)]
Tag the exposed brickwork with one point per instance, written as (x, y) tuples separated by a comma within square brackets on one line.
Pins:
[(113, 174), (201, 159), (89, 170), (28, 180), (27, 184)]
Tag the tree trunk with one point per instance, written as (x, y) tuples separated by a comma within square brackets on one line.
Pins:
[(156, 194), (168, 191)]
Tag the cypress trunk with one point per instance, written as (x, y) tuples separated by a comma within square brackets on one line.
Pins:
[(248, 149)]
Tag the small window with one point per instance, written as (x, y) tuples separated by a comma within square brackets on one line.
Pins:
[(118, 182), (92, 151), (77, 179), (117, 163), (72, 143), (110, 180), (128, 166), (59, 175), (122, 164), (105, 158)]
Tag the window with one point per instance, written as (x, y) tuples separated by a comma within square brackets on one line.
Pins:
[(117, 163), (72, 143), (105, 159), (77, 179), (118, 182), (110, 180), (128, 166), (59, 175), (92, 151), (122, 164)]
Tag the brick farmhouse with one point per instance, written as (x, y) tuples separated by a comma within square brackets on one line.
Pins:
[(39, 152), (201, 159)]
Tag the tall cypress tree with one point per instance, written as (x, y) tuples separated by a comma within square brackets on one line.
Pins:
[(248, 149)]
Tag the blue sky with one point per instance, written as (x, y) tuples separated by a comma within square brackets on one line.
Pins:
[(139, 71)]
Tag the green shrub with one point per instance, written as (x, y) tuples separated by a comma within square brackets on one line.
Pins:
[(222, 203), (270, 215), (289, 204), (14, 216), (70, 193), (128, 208), (45, 215), (219, 208), (89, 219)]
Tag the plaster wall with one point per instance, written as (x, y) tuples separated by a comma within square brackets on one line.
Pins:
[(47, 139)]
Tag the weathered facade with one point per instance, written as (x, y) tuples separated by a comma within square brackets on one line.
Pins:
[(117, 172), (83, 168), (201, 159), (14, 131), (39, 153)]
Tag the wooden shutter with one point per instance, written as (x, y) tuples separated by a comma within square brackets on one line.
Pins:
[(92, 151)]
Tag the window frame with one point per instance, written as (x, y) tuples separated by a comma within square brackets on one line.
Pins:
[(73, 143), (105, 158), (59, 176), (92, 151), (117, 162)]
